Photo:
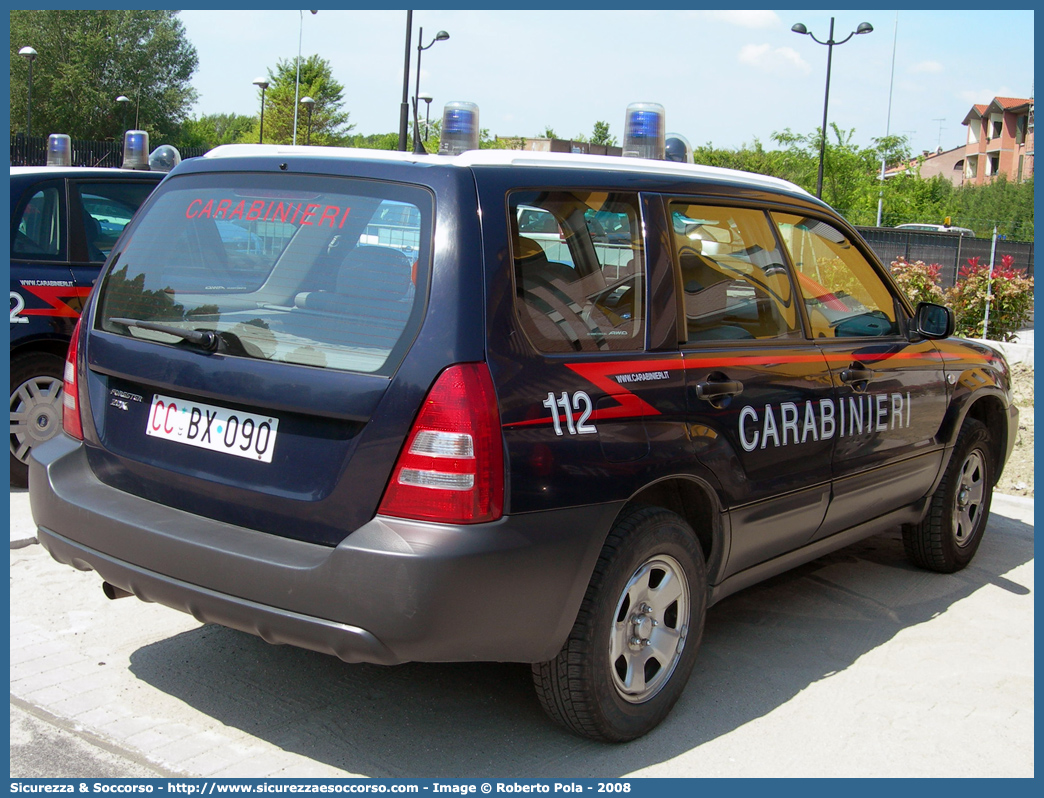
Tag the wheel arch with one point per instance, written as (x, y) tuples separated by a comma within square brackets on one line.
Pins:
[(49, 346), (990, 410), (697, 503)]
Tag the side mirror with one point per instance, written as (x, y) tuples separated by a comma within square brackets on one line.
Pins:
[(934, 321)]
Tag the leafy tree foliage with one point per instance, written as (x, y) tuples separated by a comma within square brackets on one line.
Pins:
[(87, 58), (210, 130), (852, 183), (329, 120), (601, 136)]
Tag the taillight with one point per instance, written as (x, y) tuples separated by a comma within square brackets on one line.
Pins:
[(70, 396), (451, 469)]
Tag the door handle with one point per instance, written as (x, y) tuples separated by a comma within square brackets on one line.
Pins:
[(718, 390), (857, 376)]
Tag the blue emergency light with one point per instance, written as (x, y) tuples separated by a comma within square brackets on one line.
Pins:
[(460, 128), (59, 150), (643, 131), (136, 150)]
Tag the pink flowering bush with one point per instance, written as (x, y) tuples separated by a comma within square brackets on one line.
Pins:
[(1011, 304), (919, 281)]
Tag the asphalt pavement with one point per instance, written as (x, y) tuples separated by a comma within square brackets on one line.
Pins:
[(857, 664)]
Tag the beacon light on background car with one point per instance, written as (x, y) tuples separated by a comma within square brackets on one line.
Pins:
[(164, 158), (460, 128), (59, 150), (136, 149)]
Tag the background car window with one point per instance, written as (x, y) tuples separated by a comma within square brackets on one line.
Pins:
[(735, 282), (579, 289), (108, 208), (39, 233), (844, 295)]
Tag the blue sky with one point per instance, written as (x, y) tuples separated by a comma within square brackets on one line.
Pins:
[(724, 77)]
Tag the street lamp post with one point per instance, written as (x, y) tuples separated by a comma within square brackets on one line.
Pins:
[(441, 36), (29, 54), (864, 27), (310, 103), (404, 109), (123, 99), (427, 114), (297, 82), (262, 84)]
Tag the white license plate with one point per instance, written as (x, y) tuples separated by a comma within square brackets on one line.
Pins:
[(215, 428)]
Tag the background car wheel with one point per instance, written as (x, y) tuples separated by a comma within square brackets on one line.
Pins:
[(36, 408), (634, 642), (947, 538)]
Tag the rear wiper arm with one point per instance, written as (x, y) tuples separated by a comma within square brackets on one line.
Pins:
[(205, 339)]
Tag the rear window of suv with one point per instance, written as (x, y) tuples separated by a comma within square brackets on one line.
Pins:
[(324, 272)]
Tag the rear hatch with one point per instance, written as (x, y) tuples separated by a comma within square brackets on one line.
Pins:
[(243, 343)]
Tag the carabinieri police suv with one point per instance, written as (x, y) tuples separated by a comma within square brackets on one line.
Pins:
[(504, 406)]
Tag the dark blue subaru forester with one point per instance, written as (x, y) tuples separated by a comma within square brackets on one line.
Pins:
[(503, 406)]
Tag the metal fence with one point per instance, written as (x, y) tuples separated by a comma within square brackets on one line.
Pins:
[(33, 152), (949, 250)]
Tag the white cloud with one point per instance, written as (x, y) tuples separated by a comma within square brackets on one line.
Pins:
[(931, 67), (747, 19), (767, 57)]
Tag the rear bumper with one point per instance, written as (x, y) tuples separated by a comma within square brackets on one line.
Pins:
[(392, 591)]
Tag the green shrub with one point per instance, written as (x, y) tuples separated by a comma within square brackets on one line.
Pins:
[(1011, 303)]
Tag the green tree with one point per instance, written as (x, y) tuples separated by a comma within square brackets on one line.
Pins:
[(329, 120), (373, 141), (601, 136), (212, 130), (87, 58), (549, 133)]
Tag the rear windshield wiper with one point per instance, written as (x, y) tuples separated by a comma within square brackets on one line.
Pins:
[(205, 339)]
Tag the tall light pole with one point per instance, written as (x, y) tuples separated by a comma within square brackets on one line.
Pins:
[(29, 54), (888, 122), (441, 36), (427, 114), (310, 103), (864, 27), (297, 82), (123, 99), (404, 109), (262, 84)]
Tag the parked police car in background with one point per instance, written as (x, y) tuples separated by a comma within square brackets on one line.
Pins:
[(554, 450), (64, 222)]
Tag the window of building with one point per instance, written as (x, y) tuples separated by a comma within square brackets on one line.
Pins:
[(971, 166), (993, 165), (996, 126)]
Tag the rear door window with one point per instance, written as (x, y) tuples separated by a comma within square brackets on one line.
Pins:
[(579, 289), (39, 232), (107, 208), (322, 272), (735, 282)]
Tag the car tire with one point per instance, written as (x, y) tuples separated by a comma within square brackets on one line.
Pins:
[(36, 408), (948, 537), (632, 647)]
